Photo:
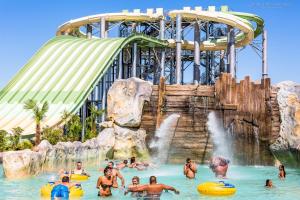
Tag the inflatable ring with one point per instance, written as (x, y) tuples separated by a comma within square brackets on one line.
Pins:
[(216, 188), (75, 191), (79, 177)]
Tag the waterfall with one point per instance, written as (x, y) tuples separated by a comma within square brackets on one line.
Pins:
[(221, 138), (160, 144)]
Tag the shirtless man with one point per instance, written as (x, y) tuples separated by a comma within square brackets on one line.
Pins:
[(116, 174), (135, 183), (153, 189), (189, 169), (105, 182), (79, 170), (122, 165)]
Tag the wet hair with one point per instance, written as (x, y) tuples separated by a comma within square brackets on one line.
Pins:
[(125, 161), (106, 169), (188, 160), (136, 178), (282, 168), (267, 182), (78, 162), (65, 179), (152, 179), (111, 163), (132, 160)]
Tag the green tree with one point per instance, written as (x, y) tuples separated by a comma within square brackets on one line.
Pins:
[(3, 140), (91, 121), (53, 135), (73, 128), (39, 114), (15, 138)]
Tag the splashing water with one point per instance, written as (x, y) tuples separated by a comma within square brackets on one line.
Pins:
[(163, 138), (222, 143)]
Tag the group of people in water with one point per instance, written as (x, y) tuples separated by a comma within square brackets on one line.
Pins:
[(281, 176), (153, 190)]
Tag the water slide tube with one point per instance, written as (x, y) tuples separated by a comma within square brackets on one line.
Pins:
[(66, 69), (63, 73)]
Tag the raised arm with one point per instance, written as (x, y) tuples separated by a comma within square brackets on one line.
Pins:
[(194, 167), (167, 187), (139, 188), (121, 177)]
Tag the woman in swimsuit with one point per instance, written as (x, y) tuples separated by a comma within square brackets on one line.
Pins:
[(282, 172), (105, 182)]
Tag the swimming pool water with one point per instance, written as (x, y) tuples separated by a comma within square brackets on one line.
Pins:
[(249, 181)]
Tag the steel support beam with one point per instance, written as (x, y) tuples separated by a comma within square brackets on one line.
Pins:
[(264, 55), (207, 57), (231, 50), (178, 48), (120, 65), (163, 52), (83, 118), (104, 96), (89, 30), (196, 53), (134, 60), (103, 33)]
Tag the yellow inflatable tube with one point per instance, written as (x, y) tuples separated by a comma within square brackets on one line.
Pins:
[(216, 188), (79, 177), (75, 191)]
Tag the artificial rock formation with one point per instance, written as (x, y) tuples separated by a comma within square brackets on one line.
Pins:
[(51, 157), (288, 98), (120, 138), (125, 101)]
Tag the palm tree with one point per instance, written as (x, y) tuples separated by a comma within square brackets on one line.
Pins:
[(91, 120), (39, 114)]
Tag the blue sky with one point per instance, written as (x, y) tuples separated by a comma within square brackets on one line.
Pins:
[(26, 25)]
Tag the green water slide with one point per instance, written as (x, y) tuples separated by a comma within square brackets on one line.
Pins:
[(63, 73)]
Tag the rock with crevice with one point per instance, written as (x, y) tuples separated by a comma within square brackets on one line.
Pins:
[(288, 98), (125, 101)]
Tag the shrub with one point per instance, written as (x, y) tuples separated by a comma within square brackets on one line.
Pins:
[(3, 140), (73, 128), (53, 135), (24, 144)]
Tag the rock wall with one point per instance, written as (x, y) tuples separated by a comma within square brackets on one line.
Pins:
[(120, 138), (288, 97)]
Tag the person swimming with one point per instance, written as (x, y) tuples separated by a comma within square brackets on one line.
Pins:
[(282, 172), (269, 183), (190, 169), (122, 165), (79, 169), (105, 183), (153, 189), (116, 174), (135, 183), (61, 189)]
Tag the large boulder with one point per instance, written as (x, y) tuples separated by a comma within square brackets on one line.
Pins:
[(288, 98), (129, 142), (125, 101), (22, 163), (62, 155)]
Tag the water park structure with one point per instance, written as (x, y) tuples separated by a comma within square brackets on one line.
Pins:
[(76, 68), (168, 104)]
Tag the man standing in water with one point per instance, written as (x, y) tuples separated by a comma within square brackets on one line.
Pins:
[(116, 174), (153, 189), (79, 169), (190, 169)]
